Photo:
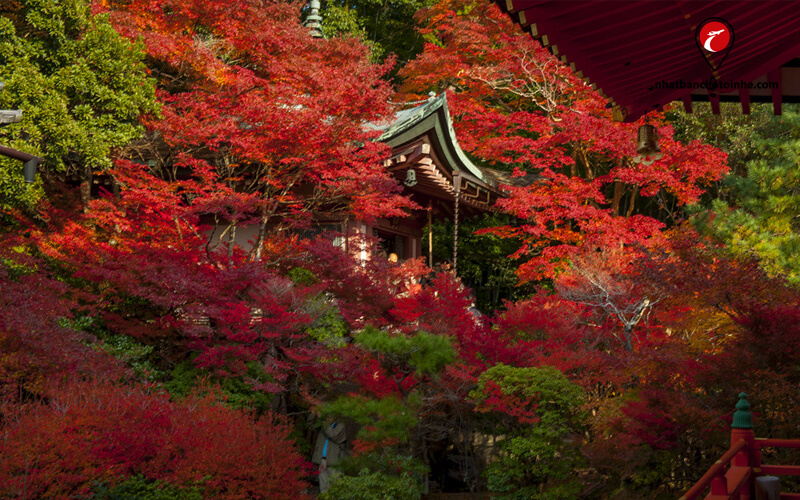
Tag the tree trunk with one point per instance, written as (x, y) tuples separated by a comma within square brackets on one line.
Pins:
[(86, 186), (231, 243), (589, 171), (627, 340), (634, 190), (262, 231), (618, 190)]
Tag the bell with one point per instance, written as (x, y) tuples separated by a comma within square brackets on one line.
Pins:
[(647, 145), (411, 178), (648, 140)]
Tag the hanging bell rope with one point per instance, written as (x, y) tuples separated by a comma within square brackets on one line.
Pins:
[(430, 233), (457, 182)]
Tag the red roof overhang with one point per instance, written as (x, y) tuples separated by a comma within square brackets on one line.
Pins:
[(626, 48)]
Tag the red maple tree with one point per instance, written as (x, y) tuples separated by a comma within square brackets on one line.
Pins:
[(272, 119), (516, 107)]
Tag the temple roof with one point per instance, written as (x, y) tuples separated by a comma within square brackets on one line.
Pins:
[(625, 49), (432, 119), (423, 139)]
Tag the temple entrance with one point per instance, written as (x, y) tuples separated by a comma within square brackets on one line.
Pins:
[(391, 243)]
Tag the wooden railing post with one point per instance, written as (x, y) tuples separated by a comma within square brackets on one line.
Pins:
[(719, 486), (742, 429), (732, 477)]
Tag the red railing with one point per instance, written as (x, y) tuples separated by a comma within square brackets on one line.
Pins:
[(732, 477), (722, 477)]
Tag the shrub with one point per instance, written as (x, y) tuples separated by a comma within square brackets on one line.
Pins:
[(382, 474), (141, 489), (93, 433)]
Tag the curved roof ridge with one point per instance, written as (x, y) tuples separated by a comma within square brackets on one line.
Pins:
[(412, 123)]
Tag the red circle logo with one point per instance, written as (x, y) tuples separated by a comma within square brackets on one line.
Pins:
[(714, 36)]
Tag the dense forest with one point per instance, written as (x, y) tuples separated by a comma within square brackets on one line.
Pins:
[(146, 353)]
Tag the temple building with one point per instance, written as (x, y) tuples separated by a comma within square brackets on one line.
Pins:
[(643, 55), (436, 174)]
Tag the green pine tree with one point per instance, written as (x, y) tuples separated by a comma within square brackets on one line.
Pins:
[(82, 88)]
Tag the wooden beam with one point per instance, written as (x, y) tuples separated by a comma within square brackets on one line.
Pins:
[(430, 170), (410, 155), (431, 191), (736, 477), (781, 470), (778, 443)]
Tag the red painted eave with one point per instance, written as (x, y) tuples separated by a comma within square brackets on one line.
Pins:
[(625, 47)]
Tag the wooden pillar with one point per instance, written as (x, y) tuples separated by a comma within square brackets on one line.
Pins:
[(742, 428), (744, 98), (687, 102), (774, 77)]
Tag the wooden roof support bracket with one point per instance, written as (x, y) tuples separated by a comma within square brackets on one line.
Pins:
[(774, 77), (411, 155), (618, 113)]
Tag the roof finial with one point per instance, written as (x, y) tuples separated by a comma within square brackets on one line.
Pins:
[(314, 20), (741, 417)]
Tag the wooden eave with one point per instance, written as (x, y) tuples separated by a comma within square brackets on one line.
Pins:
[(623, 48), (423, 138), (437, 181)]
